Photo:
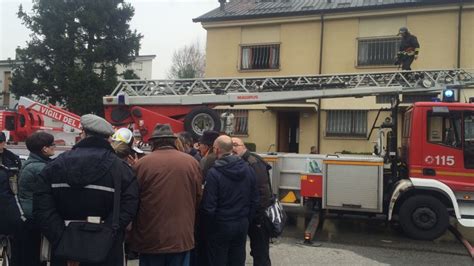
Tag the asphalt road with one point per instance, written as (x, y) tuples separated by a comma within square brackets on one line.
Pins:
[(361, 241)]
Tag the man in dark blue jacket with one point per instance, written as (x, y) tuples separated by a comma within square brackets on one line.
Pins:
[(229, 202), (79, 185)]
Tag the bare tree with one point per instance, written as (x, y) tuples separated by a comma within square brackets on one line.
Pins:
[(188, 62)]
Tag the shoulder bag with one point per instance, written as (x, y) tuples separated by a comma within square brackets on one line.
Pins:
[(275, 214), (90, 242)]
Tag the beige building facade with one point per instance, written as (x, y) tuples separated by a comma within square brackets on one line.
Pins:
[(328, 41)]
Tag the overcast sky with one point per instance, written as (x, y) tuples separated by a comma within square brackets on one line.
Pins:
[(165, 24)]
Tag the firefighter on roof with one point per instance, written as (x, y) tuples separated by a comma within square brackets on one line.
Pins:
[(409, 49)]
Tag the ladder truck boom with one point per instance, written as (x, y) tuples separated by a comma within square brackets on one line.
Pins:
[(186, 104), (51, 111), (30, 117)]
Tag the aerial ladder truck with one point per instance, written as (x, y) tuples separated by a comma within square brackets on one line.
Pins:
[(420, 183)]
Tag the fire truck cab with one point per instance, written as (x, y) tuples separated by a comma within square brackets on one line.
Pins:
[(438, 153)]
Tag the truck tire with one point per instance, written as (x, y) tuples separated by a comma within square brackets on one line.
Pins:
[(201, 119), (423, 217)]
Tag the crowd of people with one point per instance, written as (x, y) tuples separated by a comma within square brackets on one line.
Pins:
[(184, 203)]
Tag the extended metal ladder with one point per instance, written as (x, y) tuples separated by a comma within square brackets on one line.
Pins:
[(262, 89)]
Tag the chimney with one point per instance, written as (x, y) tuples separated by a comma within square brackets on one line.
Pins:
[(222, 2)]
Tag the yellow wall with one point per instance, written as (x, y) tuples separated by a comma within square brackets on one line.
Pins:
[(467, 42), (339, 48), (222, 51), (300, 48), (262, 129), (437, 35)]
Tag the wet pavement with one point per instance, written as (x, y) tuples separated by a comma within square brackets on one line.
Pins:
[(353, 240)]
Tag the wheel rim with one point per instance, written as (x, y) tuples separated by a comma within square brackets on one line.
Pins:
[(424, 218), (202, 122)]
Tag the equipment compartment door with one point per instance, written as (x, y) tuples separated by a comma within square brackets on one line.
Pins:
[(355, 187)]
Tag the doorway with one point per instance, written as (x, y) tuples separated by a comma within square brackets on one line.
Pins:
[(288, 131)]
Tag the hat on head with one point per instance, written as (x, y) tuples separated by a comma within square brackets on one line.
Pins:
[(162, 131), (123, 134), (403, 30), (3, 137), (208, 137), (96, 124)]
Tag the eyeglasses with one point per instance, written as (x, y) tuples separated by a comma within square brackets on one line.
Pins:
[(237, 145)]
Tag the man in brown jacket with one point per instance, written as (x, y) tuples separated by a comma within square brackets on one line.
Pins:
[(170, 191)]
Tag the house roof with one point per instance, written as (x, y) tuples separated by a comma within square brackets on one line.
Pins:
[(248, 9)]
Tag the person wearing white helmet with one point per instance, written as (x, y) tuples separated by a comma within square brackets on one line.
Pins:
[(123, 145)]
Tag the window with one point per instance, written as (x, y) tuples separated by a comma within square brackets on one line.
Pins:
[(377, 51), (240, 125), (350, 123), (469, 140), (444, 128), (260, 57)]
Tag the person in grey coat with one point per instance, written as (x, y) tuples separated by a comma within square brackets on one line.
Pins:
[(41, 146)]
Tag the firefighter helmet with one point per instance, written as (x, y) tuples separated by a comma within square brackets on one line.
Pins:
[(123, 135), (403, 30)]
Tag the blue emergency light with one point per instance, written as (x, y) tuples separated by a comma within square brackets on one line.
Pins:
[(449, 95), (121, 99)]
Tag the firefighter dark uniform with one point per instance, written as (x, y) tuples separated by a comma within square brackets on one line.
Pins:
[(409, 49)]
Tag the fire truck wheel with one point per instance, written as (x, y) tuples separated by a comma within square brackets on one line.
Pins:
[(201, 119), (424, 217)]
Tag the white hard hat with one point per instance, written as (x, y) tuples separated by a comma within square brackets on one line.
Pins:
[(123, 135)]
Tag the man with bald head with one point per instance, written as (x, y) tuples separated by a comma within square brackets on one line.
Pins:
[(228, 205), (259, 228)]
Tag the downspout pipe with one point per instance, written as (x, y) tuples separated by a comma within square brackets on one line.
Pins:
[(320, 71), (459, 35)]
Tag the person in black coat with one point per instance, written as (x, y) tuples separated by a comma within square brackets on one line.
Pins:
[(80, 183), (10, 214), (259, 228), (229, 203), (408, 50), (8, 160)]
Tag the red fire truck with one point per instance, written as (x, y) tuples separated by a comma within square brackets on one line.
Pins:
[(421, 185)]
